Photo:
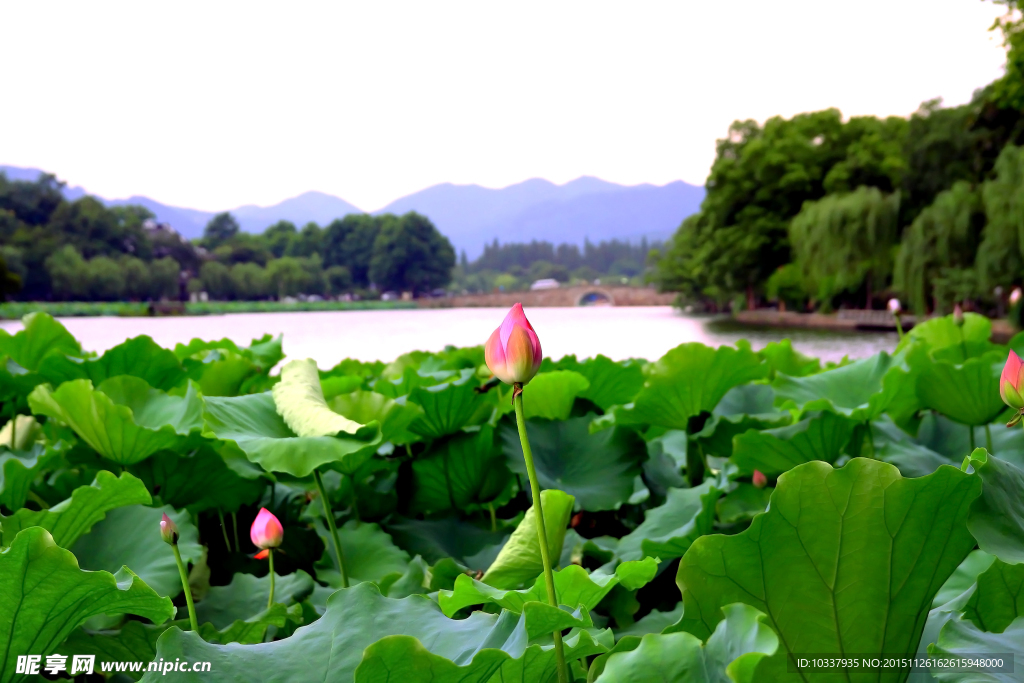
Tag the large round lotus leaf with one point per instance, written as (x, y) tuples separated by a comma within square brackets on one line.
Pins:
[(611, 382), (968, 393), (368, 638), (464, 472), (997, 517), (844, 560), (369, 406), (40, 337), (690, 379), (139, 357), (124, 419), (44, 596), (773, 451), (999, 597)]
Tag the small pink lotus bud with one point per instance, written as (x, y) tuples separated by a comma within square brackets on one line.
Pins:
[(958, 315), (168, 530), (266, 531), (894, 306), (1010, 382), (760, 481), (1015, 296), (513, 351)]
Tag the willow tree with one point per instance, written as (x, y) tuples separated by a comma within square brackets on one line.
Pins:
[(942, 239), (845, 241), (1001, 253)]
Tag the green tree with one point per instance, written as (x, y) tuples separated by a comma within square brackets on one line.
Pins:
[(69, 274), (288, 276), (338, 280), (164, 279), (277, 237), (216, 279), (1001, 252), (944, 235), (10, 282), (32, 203), (219, 230), (309, 241), (349, 242), (137, 285), (250, 281), (410, 255), (106, 279), (844, 242)]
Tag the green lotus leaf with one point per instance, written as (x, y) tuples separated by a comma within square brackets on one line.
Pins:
[(997, 517), (264, 352), (773, 451), (123, 419), (363, 632), (781, 357), (448, 537), (41, 336), (742, 503), (611, 383), (139, 357), (941, 333), (573, 586), (336, 385), (394, 416), (22, 429), (668, 530), (300, 402), (252, 424), (861, 390), (748, 406), (690, 379), (18, 469), (998, 598), (961, 637), (519, 561), (550, 395), (968, 393), (131, 535), (655, 621), (44, 596), (464, 472), (964, 577), (732, 653), (598, 469), (912, 459), (71, 518), (844, 560), (370, 555), (133, 642), (448, 406), (253, 629), (246, 597), (201, 479)]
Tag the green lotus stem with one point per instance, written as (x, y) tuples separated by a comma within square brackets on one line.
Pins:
[(542, 533), (224, 529), (970, 429), (188, 591), (355, 500), (330, 525), (494, 517), (871, 437), (14, 431), (988, 438), (234, 527), (270, 558), (38, 500), (899, 325)]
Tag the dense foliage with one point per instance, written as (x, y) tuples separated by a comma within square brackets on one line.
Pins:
[(782, 195), (873, 535)]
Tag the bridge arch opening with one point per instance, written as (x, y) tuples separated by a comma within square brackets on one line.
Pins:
[(595, 297)]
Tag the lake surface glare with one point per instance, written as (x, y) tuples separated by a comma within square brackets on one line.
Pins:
[(330, 336)]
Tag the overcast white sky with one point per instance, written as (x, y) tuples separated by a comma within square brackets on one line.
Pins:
[(214, 104)]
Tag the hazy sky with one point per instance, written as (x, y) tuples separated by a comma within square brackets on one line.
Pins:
[(214, 104)]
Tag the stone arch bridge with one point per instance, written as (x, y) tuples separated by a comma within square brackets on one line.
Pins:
[(582, 295)]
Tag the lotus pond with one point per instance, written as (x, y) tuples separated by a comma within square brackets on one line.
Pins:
[(889, 519)]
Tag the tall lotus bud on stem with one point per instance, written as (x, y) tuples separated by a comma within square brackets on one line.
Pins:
[(1015, 296), (1010, 385), (168, 530), (267, 533), (958, 315), (760, 481), (895, 308), (513, 351)]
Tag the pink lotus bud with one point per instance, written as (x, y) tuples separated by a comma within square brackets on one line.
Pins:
[(760, 481), (266, 531), (1010, 382), (1015, 296), (894, 306), (958, 315), (513, 351), (168, 530)]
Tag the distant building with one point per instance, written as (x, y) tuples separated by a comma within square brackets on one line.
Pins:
[(546, 283)]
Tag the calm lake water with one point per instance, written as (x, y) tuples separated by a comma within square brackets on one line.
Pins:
[(328, 337)]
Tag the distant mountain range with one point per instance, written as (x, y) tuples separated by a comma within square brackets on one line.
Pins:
[(471, 215)]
